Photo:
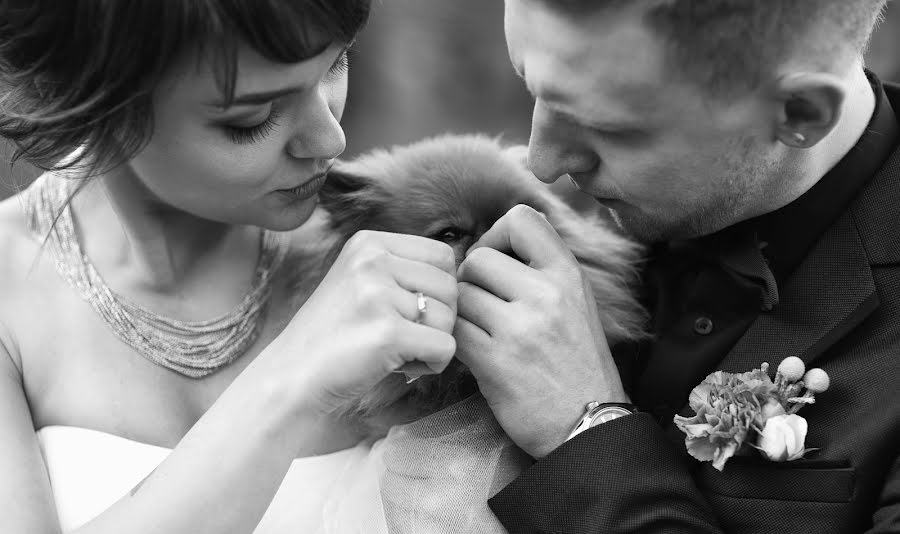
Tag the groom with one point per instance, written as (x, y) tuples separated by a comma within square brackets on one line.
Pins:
[(746, 143)]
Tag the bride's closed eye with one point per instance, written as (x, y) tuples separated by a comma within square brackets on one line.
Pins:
[(252, 134)]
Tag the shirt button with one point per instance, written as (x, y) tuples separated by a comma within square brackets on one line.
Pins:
[(703, 325)]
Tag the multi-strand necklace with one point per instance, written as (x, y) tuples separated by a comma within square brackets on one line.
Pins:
[(191, 348)]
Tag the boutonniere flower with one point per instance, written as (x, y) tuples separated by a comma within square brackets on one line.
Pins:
[(736, 413)]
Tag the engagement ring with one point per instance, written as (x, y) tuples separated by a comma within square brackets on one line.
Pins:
[(421, 305)]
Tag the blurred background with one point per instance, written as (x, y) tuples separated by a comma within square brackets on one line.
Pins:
[(424, 67)]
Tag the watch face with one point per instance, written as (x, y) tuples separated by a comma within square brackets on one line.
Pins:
[(608, 414)]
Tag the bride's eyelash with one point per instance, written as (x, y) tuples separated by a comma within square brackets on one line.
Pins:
[(341, 64), (252, 134)]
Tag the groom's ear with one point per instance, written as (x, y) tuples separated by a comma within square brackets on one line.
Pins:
[(808, 107)]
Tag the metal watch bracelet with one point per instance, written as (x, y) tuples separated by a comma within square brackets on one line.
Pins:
[(596, 413)]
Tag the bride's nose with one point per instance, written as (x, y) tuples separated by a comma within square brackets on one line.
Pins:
[(318, 134)]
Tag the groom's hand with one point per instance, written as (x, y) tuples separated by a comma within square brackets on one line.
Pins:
[(530, 333)]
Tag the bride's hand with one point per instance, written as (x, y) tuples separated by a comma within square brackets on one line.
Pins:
[(361, 322)]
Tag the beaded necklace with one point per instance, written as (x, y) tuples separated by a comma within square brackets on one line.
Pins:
[(192, 348)]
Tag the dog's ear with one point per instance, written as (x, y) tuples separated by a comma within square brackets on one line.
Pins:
[(343, 183), (350, 197)]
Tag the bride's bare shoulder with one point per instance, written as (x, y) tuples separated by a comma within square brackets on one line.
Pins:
[(17, 250), (17, 244)]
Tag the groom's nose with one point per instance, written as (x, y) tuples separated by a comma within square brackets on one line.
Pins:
[(558, 146)]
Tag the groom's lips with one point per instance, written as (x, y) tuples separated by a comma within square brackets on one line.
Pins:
[(578, 179), (599, 196)]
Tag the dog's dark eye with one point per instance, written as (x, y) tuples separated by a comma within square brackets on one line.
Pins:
[(448, 234)]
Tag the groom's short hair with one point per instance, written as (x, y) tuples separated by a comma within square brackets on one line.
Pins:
[(729, 44)]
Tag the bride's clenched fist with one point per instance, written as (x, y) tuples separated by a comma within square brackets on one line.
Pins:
[(366, 320)]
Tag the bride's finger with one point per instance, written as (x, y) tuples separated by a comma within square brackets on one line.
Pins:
[(422, 343), (434, 313), (419, 248), (417, 276)]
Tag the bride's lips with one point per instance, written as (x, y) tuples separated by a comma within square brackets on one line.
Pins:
[(307, 189)]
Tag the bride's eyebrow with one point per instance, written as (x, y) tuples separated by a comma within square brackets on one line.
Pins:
[(255, 99), (263, 97)]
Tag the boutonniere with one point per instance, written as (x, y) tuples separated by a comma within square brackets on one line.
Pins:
[(739, 412)]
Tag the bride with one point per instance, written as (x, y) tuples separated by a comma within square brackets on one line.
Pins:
[(183, 146)]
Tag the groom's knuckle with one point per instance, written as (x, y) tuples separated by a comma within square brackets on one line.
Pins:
[(549, 298), (523, 212), (463, 292), (520, 329), (475, 259)]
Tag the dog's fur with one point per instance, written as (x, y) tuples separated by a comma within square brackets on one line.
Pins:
[(453, 188)]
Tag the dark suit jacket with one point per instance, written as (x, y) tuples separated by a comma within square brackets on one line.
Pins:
[(840, 311)]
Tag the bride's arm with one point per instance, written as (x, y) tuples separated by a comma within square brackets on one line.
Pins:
[(26, 502), (223, 474), (220, 478)]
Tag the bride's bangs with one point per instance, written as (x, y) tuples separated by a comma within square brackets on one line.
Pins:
[(82, 74), (283, 31)]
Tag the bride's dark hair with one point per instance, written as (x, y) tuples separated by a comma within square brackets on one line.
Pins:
[(81, 73)]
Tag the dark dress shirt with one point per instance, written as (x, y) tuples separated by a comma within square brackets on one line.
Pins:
[(704, 294), (818, 279)]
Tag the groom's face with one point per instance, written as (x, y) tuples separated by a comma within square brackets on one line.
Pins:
[(669, 161)]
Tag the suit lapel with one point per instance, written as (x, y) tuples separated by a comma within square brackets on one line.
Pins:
[(827, 296), (832, 291)]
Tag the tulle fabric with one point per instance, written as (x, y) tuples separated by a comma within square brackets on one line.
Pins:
[(429, 477), (432, 476)]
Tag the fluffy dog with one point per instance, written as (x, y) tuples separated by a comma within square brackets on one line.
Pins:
[(453, 188)]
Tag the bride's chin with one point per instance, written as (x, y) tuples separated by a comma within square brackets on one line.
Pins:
[(290, 216)]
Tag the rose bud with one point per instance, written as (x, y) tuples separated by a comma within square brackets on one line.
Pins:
[(783, 438)]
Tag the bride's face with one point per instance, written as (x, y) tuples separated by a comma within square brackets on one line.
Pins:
[(259, 161)]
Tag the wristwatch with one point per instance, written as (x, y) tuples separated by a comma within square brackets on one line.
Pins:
[(596, 413)]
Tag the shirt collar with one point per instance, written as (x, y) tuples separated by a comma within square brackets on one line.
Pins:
[(765, 250), (788, 233)]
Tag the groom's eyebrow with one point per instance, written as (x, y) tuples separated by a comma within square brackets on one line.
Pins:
[(636, 100), (599, 118)]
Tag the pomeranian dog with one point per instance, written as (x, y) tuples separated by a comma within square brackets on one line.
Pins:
[(453, 188)]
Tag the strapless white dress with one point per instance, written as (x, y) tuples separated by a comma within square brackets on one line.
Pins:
[(433, 476), (90, 470)]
